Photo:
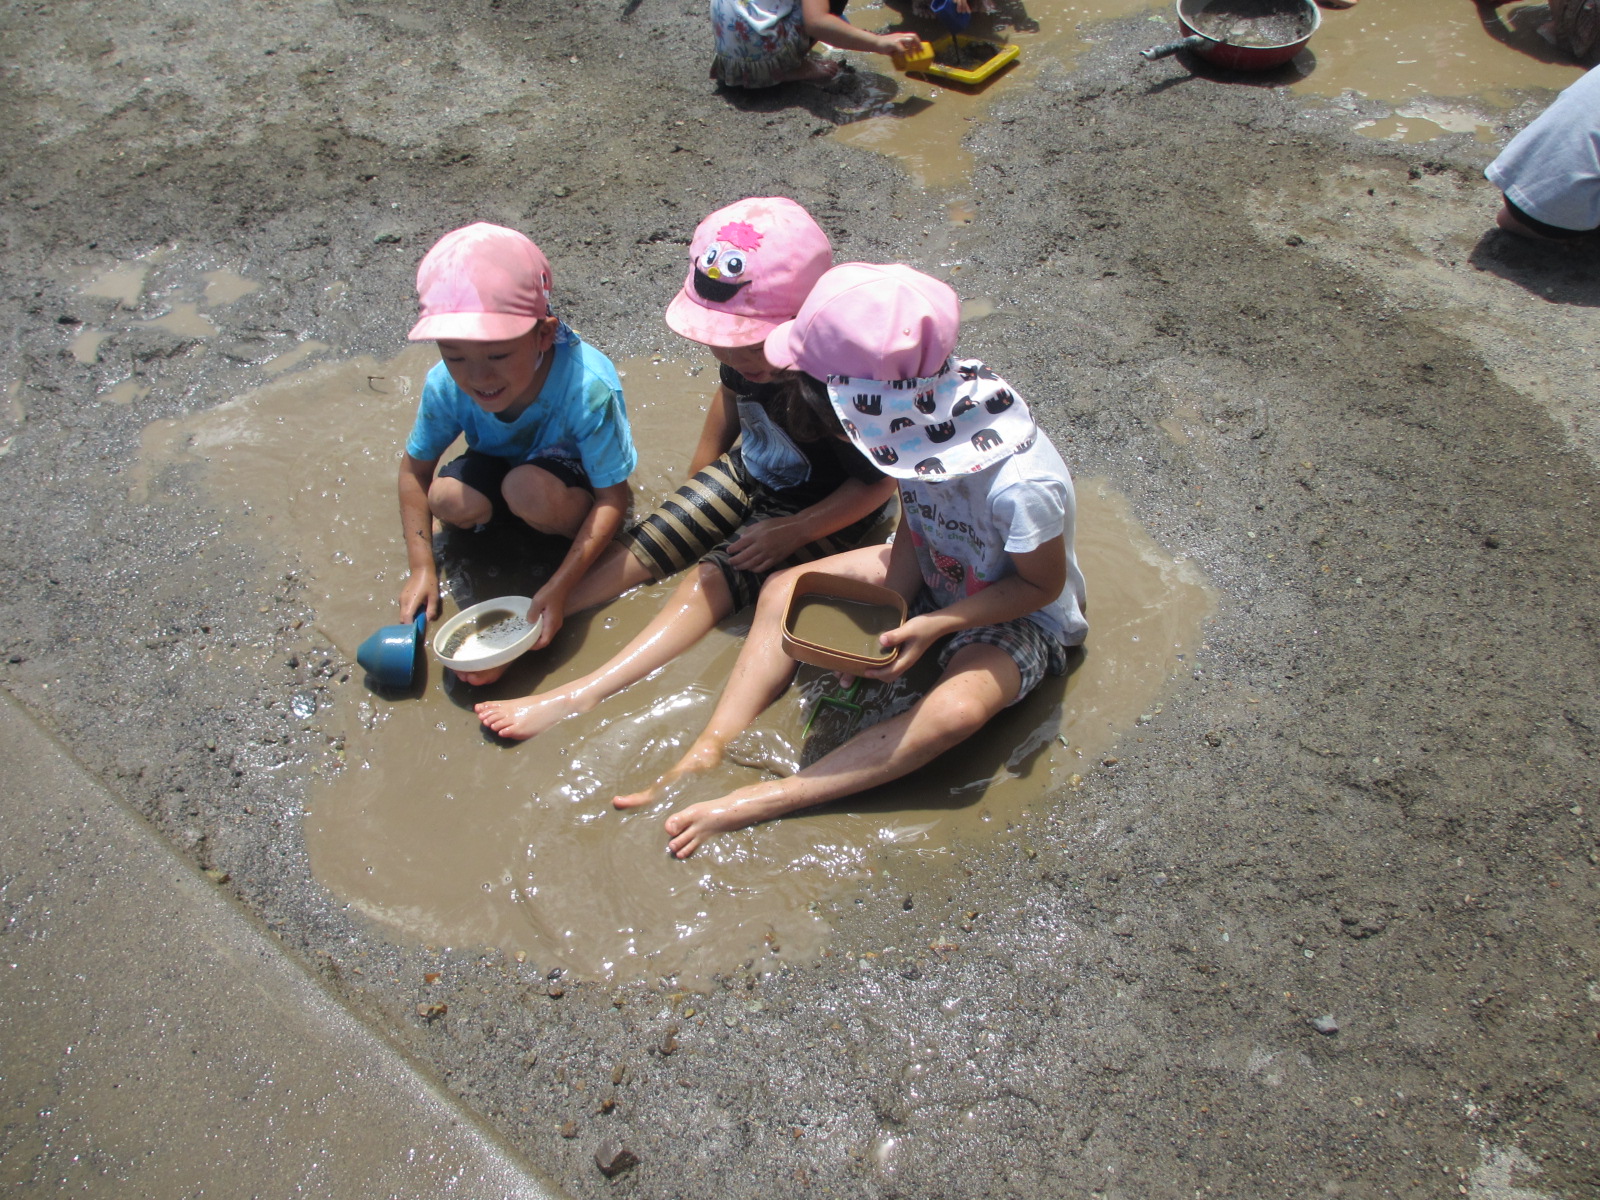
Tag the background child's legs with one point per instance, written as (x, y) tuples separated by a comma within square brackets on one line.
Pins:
[(978, 682)]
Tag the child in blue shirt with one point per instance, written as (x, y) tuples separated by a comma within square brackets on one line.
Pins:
[(542, 412)]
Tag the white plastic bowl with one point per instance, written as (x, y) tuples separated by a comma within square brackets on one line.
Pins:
[(486, 635)]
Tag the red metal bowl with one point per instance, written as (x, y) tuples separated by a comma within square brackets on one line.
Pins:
[(1203, 20)]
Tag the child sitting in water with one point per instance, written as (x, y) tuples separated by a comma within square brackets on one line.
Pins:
[(791, 490), (983, 554), (546, 429), (764, 42)]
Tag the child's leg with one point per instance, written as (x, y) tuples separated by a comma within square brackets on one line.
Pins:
[(980, 680), (456, 503), (696, 605), (614, 572), (762, 671), (546, 501), (465, 491)]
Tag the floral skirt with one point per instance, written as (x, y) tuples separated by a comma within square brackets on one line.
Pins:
[(759, 42)]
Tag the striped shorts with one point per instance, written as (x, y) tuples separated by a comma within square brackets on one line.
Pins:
[(696, 523)]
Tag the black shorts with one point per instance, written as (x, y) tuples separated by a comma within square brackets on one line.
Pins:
[(1544, 227), (486, 474)]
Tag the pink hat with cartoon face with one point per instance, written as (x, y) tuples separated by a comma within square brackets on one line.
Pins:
[(870, 322), (750, 267), (483, 283)]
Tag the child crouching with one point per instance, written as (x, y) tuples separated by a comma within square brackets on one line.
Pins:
[(983, 554), (542, 413)]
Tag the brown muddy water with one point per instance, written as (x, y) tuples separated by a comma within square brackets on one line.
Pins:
[(1407, 53), (850, 626), (445, 836)]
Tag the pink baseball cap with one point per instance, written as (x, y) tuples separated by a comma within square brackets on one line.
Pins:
[(483, 283), (870, 322), (750, 267)]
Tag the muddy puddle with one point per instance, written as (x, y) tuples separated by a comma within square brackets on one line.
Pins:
[(129, 289), (444, 836), (1402, 50), (922, 122), (1419, 55)]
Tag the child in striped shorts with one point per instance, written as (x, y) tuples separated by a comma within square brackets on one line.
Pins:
[(774, 481)]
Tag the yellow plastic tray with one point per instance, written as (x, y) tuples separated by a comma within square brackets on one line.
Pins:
[(970, 76)]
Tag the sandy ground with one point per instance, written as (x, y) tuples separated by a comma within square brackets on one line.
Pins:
[(1326, 925)]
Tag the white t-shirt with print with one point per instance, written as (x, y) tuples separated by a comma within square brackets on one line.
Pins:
[(966, 528)]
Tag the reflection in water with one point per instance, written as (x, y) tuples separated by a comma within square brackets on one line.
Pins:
[(428, 826)]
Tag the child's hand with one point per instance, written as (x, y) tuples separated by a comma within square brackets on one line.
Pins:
[(900, 43), (765, 544), (420, 592), (913, 639), (550, 606)]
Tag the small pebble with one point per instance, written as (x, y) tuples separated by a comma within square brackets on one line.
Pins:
[(1325, 1024), (613, 1157), (569, 1129)]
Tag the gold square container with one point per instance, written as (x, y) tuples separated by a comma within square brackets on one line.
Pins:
[(834, 654)]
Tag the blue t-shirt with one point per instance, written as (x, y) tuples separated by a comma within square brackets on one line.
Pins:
[(578, 414)]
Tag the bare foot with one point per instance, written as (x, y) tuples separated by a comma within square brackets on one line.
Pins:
[(813, 70), (481, 678), (526, 716), (702, 756), (689, 827)]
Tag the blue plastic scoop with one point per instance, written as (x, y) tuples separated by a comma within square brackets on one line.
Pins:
[(389, 656)]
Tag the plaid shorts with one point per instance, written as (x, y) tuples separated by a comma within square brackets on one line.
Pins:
[(698, 521), (1036, 651)]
